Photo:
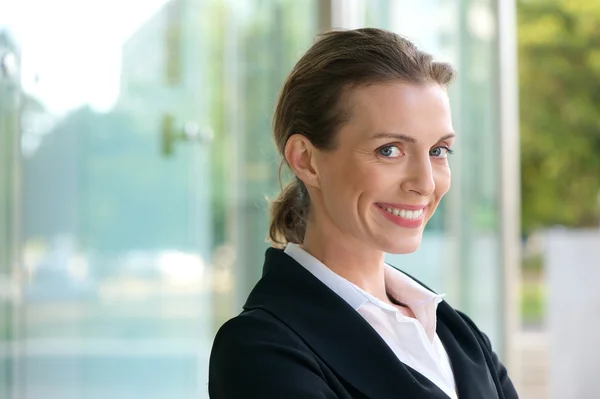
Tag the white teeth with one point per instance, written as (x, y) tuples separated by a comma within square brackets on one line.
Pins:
[(405, 214)]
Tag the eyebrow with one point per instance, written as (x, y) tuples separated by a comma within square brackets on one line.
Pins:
[(403, 137)]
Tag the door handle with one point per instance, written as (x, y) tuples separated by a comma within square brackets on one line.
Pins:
[(8, 65), (190, 131)]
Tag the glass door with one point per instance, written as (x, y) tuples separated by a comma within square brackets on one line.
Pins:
[(115, 242), (9, 104), (144, 148)]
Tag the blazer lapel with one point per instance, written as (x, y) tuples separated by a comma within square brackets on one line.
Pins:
[(471, 372), (335, 332)]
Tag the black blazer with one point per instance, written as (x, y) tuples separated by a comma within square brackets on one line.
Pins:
[(297, 339)]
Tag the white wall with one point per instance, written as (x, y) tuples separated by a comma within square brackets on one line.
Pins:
[(573, 266)]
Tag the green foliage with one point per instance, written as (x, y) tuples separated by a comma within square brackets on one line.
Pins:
[(559, 72), (533, 264), (533, 301)]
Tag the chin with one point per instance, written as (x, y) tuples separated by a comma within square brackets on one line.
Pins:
[(402, 246)]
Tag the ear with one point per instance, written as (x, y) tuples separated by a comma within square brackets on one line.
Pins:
[(300, 155)]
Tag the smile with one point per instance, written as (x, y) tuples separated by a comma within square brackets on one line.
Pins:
[(401, 216), (405, 213)]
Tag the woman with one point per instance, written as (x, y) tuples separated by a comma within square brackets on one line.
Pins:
[(364, 123)]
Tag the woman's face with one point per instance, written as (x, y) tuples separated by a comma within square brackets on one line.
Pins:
[(389, 169)]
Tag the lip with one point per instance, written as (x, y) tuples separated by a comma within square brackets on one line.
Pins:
[(402, 206), (399, 221)]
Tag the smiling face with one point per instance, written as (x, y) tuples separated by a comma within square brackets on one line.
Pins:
[(389, 169)]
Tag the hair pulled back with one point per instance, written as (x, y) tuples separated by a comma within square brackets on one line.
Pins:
[(310, 102)]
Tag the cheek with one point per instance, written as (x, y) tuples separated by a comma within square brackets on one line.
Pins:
[(352, 187), (442, 180), (340, 182), (373, 181), (348, 175)]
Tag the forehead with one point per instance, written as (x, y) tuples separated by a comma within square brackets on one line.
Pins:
[(411, 109)]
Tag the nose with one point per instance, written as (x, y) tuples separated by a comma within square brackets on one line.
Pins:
[(419, 176)]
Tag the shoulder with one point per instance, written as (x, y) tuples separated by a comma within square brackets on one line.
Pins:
[(500, 374), (481, 337), (251, 327), (257, 336), (257, 355)]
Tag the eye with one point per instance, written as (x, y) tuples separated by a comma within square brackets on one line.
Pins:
[(440, 152), (389, 151)]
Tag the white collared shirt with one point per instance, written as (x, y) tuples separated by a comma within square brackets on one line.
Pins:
[(414, 341)]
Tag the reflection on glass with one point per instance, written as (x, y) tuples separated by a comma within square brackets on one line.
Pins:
[(133, 226), (9, 104), (138, 238)]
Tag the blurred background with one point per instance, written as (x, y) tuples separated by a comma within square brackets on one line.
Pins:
[(136, 155)]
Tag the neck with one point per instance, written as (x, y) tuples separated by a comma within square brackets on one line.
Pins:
[(348, 258)]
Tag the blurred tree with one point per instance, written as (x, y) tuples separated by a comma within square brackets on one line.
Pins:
[(559, 71)]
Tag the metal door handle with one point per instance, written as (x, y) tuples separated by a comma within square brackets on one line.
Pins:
[(8, 65), (190, 131)]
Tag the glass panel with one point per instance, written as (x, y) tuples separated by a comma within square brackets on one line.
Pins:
[(116, 240), (477, 93), (272, 36), (460, 251), (9, 103), (147, 155)]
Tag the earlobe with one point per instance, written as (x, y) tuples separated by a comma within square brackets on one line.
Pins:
[(300, 154)]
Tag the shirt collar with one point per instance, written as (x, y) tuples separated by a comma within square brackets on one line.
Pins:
[(408, 291), (342, 287), (403, 288)]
